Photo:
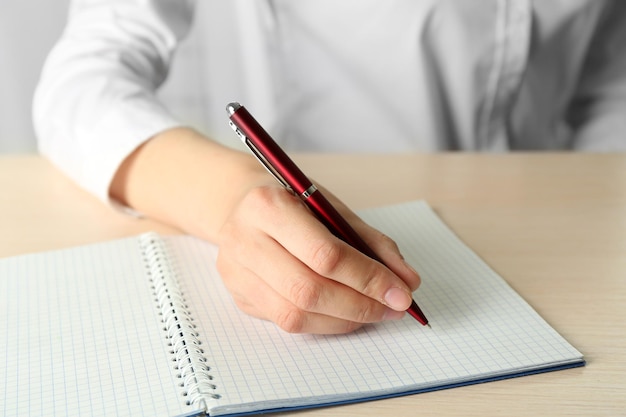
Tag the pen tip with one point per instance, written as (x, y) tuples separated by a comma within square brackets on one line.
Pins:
[(429, 326)]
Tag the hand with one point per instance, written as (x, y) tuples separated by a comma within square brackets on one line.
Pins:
[(281, 264), (278, 261)]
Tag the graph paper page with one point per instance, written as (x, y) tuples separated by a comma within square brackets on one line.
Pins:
[(79, 336), (481, 329)]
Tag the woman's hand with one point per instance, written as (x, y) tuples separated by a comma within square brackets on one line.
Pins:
[(278, 261), (281, 264)]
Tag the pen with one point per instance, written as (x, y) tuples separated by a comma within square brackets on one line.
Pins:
[(278, 163)]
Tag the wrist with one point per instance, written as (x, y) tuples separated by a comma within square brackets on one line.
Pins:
[(186, 180)]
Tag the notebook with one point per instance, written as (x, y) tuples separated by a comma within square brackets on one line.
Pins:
[(144, 326)]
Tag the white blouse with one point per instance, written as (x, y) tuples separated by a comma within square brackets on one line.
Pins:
[(348, 75)]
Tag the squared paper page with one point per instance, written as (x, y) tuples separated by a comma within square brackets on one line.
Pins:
[(481, 329), (79, 335)]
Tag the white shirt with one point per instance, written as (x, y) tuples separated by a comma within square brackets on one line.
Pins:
[(349, 75)]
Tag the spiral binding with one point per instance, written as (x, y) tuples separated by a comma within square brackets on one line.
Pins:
[(183, 338)]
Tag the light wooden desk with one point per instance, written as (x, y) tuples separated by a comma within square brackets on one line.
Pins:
[(553, 225)]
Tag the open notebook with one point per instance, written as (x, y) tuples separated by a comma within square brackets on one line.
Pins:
[(144, 326)]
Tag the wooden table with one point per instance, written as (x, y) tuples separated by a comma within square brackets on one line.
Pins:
[(553, 225)]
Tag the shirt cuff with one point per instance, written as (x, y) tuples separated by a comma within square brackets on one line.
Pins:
[(115, 137)]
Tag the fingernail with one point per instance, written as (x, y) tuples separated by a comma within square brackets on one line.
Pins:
[(397, 299), (393, 314)]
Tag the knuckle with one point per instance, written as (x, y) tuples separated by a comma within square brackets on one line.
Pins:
[(372, 281), (305, 294), (264, 200), (246, 306), (243, 305), (291, 320), (365, 314), (388, 242), (325, 257), (351, 326), (256, 204), (260, 196)]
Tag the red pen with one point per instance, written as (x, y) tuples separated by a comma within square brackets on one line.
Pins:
[(278, 163)]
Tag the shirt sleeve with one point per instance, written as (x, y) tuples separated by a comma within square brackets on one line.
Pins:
[(598, 112), (96, 99)]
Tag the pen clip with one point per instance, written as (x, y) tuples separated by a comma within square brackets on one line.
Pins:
[(258, 155)]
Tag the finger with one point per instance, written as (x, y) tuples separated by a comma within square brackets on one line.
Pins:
[(332, 258), (305, 289), (267, 304), (385, 247), (388, 251)]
